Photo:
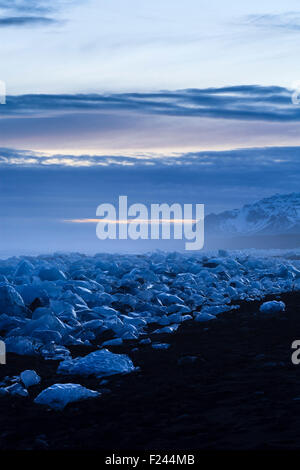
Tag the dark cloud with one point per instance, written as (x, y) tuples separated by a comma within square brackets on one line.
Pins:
[(22, 6), (288, 21), (25, 20), (250, 102), (31, 12)]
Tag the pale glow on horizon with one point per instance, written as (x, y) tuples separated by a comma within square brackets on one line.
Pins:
[(64, 156)]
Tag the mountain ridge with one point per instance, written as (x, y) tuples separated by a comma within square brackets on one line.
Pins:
[(275, 215)]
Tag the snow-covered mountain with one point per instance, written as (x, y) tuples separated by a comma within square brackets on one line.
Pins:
[(276, 215)]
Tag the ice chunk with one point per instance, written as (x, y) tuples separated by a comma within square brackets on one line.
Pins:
[(272, 307), (105, 312), (21, 345), (198, 300), (232, 292), (47, 336), (93, 325), (145, 341), (54, 352), (40, 311), (59, 395), (160, 346), (167, 329), (51, 274), (45, 322), (7, 322), (164, 320), (30, 292), (99, 363), (135, 321), (203, 317), (3, 279), (178, 308), (105, 299), (30, 378), (11, 302), (113, 342), (178, 318), (3, 392), (215, 309), (66, 299), (169, 299), (24, 268), (186, 317), (17, 389), (130, 333), (63, 310)]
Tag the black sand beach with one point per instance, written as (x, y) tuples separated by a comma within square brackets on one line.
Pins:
[(241, 392)]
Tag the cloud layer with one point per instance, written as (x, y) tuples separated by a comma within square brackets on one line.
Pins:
[(249, 102), (163, 122), (239, 160), (284, 22), (25, 20), (18, 13), (24, 6)]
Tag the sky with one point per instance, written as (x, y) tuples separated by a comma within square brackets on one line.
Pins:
[(78, 46), (162, 101)]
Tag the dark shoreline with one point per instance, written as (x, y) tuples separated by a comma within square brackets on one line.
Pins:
[(239, 394)]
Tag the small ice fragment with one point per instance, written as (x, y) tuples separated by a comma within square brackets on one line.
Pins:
[(113, 342), (145, 341), (29, 378), (203, 317), (167, 329), (99, 363), (160, 346), (59, 395), (272, 307), (216, 309), (17, 389)]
